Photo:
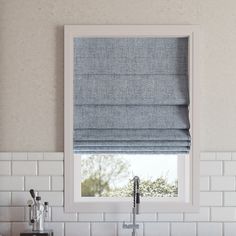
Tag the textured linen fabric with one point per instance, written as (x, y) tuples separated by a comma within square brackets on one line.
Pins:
[(131, 95), (131, 89)]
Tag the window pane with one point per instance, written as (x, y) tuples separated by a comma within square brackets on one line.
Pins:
[(107, 175)]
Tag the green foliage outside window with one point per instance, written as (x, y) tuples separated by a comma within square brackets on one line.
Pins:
[(100, 173)]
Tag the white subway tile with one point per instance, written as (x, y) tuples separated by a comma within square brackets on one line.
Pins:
[(5, 156), (233, 154), (54, 198), (58, 214), (37, 182), (204, 183), (5, 198), (5, 168), (90, 216), (11, 213), (127, 232), (202, 215), (230, 198), (157, 229), (35, 156), (170, 217), (103, 229), (183, 229), (11, 183), (5, 229), (218, 214), (230, 168), (53, 156), (18, 227), (223, 213), (208, 156), (209, 229), (19, 156), (57, 183), (26, 213), (211, 198), (146, 217), (229, 229), (117, 217), (24, 168), (222, 183), (77, 229), (208, 168), (20, 198), (58, 228), (223, 156), (50, 167)]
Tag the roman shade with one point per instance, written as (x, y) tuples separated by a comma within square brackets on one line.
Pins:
[(131, 95)]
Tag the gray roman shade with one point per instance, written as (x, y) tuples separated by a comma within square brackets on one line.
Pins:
[(131, 95)]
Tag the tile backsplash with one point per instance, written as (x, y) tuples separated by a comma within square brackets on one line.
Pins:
[(44, 171)]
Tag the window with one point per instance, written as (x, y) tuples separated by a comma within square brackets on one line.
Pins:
[(130, 109), (108, 175)]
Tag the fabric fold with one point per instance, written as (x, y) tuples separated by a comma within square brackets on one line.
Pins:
[(131, 95)]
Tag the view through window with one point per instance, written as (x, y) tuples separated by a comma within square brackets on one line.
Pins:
[(110, 175)]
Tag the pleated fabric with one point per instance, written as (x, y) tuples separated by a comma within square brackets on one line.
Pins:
[(131, 95)]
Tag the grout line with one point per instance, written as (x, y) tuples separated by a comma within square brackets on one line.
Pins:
[(210, 218), (65, 226), (25, 213), (37, 168), (223, 168), (197, 228), (50, 185), (168, 228), (210, 183), (11, 190), (11, 229), (223, 199), (144, 226), (234, 182), (11, 198), (24, 183), (90, 228), (117, 226), (11, 167)]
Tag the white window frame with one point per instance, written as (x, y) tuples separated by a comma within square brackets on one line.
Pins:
[(191, 200)]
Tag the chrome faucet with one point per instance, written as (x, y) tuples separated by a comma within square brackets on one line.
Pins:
[(135, 209)]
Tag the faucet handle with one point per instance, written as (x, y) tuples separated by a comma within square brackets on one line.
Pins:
[(124, 226)]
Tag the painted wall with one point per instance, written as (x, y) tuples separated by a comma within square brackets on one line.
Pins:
[(31, 63)]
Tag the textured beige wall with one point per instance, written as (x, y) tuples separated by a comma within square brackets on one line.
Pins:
[(31, 63)]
